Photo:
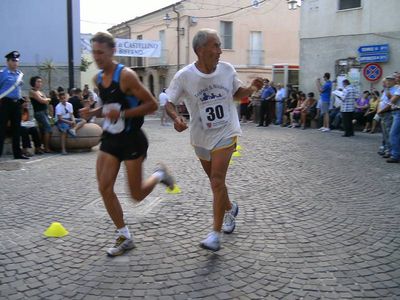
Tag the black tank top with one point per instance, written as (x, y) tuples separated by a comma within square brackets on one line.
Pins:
[(37, 106), (113, 94)]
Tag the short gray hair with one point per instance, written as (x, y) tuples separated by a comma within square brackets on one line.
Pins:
[(201, 37)]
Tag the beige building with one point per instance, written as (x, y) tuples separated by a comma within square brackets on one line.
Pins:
[(257, 37)]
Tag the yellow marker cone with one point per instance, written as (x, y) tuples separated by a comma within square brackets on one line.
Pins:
[(175, 190), (236, 154), (55, 230), (238, 147)]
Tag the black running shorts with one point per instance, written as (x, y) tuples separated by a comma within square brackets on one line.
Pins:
[(125, 145)]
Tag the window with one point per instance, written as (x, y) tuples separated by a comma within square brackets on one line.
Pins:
[(256, 49), (226, 35), (348, 4)]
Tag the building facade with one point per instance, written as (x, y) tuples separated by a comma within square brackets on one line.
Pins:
[(343, 36), (38, 30), (256, 35)]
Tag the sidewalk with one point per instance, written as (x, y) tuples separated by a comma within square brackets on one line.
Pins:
[(319, 219)]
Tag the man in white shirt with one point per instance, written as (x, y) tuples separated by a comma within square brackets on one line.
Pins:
[(208, 87), (280, 98), (163, 98)]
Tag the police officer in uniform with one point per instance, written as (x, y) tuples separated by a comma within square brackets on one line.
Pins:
[(10, 103)]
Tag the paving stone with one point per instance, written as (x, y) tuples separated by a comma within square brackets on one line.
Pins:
[(309, 226)]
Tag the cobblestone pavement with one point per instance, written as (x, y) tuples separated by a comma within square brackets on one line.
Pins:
[(319, 219)]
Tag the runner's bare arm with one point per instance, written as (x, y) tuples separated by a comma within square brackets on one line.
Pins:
[(179, 121), (255, 85)]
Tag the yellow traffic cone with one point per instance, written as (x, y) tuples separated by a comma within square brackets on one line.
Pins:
[(55, 230), (236, 154), (175, 190), (238, 147)]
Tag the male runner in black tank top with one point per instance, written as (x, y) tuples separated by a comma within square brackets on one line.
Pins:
[(122, 140)]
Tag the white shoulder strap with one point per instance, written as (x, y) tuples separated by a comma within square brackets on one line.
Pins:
[(13, 87)]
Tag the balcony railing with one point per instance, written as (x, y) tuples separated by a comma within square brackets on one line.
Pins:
[(255, 58), (158, 61)]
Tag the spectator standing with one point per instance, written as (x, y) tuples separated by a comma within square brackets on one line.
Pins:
[(325, 98), (163, 99), (10, 103), (394, 134), (280, 102), (385, 114), (41, 111), (350, 94), (267, 95)]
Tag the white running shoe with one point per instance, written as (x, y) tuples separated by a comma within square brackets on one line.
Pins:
[(229, 219), (321, 129), (122, 244), (211, 242), (167, 178), (326, 130)]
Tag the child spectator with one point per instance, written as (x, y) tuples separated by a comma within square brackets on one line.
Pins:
[(65, 120)]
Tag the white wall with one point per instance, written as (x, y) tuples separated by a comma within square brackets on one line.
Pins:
[(38, 30)]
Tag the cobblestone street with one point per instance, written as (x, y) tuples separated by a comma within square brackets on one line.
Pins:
[(319, 219)]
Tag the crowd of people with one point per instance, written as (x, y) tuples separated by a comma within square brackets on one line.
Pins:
[(30, 119), (344, 108)]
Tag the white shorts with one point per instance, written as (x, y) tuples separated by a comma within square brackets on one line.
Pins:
[(205, 154)]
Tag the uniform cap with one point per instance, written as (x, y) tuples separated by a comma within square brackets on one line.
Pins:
[(13, 55)]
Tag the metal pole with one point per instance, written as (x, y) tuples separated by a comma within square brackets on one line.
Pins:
[(70, 45), (178, 44)]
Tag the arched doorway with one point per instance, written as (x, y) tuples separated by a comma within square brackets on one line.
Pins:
[(151, 84)]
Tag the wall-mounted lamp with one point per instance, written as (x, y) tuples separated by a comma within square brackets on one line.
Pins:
[(293, 4), (167, 19)]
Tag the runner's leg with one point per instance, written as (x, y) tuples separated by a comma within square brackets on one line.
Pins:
[(107, 168), (139, 189), (219, 166)]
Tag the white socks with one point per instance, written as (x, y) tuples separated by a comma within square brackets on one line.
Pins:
[(159, 175), (125, 232)]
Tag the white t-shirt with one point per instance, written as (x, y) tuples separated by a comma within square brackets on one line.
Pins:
[(163, 97), (64, 111), (209, 101)]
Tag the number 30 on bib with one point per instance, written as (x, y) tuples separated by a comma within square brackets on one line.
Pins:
[(214, 114)]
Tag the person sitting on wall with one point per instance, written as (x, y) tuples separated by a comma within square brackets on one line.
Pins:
[(66, 122), (308, 110)]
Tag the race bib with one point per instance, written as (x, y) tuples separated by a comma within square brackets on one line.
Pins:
[(214, 114), (113, 126)]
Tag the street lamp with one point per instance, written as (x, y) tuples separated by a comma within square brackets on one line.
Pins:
[(293, 4)]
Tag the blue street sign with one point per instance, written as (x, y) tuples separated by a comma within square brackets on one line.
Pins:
[(373, 49), (374, 58)]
